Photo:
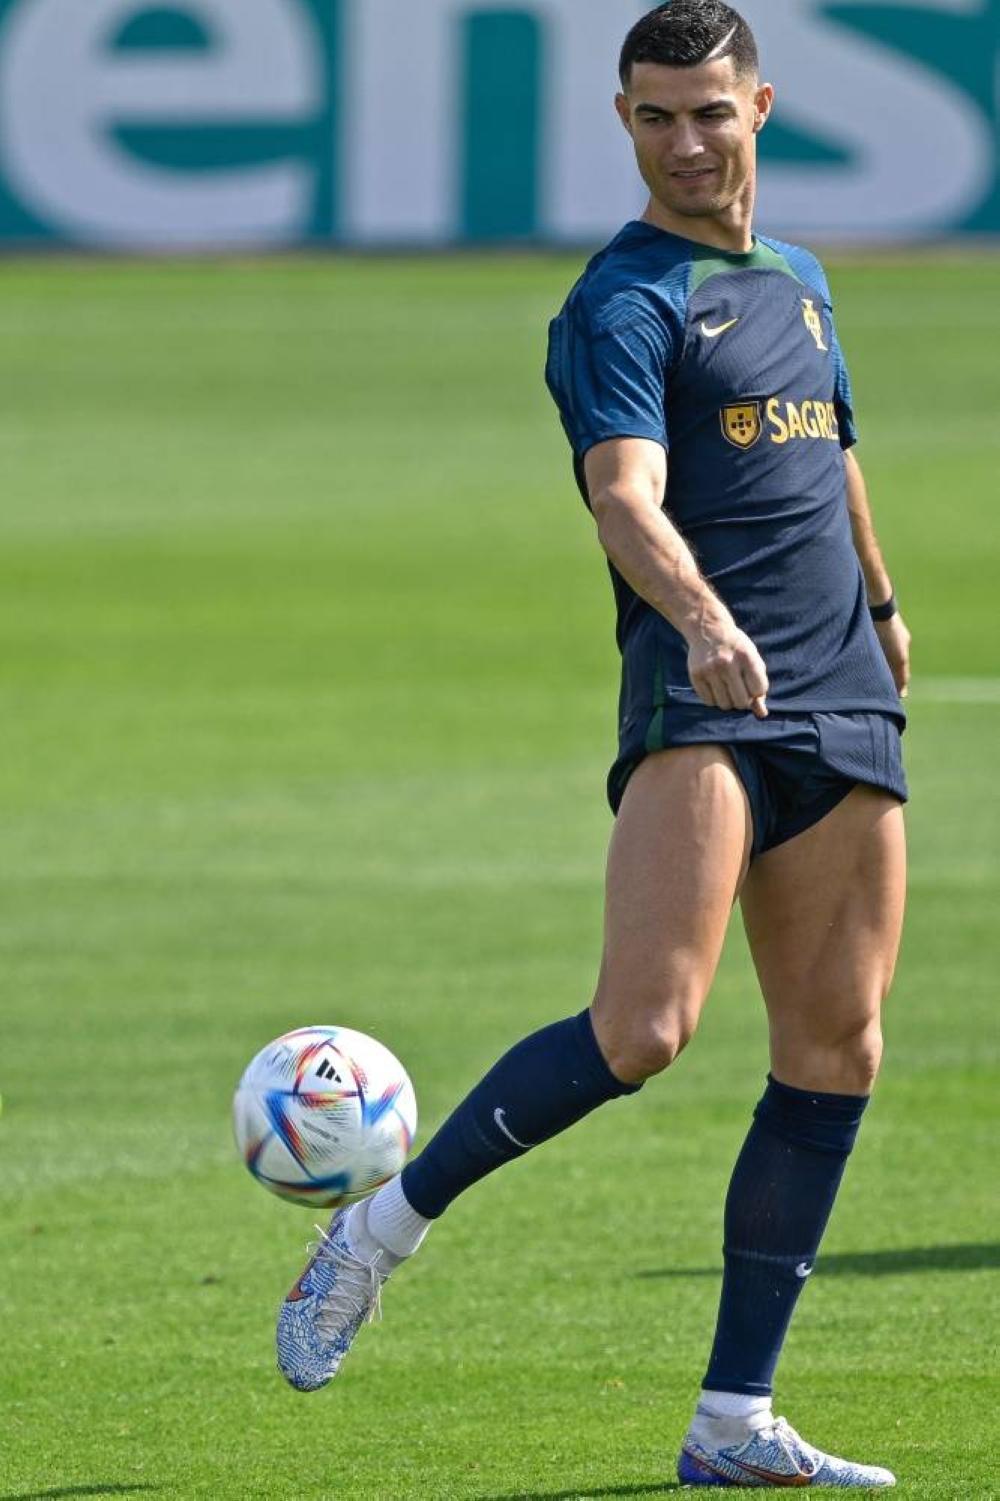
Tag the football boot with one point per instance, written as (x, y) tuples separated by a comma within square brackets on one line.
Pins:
[(335, 1295), (772, 1455)]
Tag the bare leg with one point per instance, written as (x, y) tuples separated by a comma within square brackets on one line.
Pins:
[(678, 856), (823, 915)]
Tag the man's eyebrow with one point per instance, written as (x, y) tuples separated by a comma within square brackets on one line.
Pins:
[(657, 109)]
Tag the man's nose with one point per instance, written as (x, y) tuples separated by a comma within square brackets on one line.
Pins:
[(687, 139)]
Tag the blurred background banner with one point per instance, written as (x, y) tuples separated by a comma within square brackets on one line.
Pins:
[(419, 123)]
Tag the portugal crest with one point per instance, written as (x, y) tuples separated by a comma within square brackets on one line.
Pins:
[(813, 321), (741, 424)]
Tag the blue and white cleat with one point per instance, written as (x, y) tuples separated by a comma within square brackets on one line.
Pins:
[(336, 1294), (774, 1455)]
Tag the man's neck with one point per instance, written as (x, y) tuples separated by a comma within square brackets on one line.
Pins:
[(730, 230)]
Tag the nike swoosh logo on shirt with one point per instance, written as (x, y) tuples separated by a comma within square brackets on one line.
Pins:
[(713, 333)]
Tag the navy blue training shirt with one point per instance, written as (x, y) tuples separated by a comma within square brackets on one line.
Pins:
[(731, 362)]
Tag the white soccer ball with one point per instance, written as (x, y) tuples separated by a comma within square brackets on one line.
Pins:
[(324, 1116)]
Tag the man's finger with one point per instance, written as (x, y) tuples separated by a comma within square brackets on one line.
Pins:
[(723, 694), (755, 685), (901, 674), (755, 678)]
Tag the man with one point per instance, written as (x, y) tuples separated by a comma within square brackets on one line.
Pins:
[(700, 382)]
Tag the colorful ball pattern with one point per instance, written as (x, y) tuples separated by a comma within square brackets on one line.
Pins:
[(324, 1115)]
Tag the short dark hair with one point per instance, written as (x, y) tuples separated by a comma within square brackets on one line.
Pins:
[(684, 33)]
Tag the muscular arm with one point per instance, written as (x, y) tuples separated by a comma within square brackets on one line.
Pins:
[(626, 480), (893, 635)]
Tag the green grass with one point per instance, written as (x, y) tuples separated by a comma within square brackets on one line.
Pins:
[(307, 685)]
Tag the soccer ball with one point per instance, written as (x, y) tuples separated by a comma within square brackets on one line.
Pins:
[(324, 1116)]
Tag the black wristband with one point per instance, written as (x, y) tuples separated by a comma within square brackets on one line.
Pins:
[(885, 611)]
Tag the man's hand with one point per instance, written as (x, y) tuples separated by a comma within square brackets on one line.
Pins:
[(895, 642), (726, 669)]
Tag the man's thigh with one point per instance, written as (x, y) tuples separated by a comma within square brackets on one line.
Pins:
[(823, 915), (678, 855)]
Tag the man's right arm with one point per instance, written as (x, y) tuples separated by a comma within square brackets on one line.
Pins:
[(626, 482)]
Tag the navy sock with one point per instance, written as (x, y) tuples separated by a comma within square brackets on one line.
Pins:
[(546, 1083), (780, 1197)]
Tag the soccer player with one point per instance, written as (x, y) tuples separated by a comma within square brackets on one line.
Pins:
[(701, 385)]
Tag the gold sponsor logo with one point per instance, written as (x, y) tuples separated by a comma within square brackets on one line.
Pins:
[(802, 419), (813, 321), (741, 423)]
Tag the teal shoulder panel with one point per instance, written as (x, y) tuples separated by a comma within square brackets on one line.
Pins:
[(707, 261)]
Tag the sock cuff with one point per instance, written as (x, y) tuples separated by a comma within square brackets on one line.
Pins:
[(722, 1403), (761, 1389), (610, 1085), (810, 1118), (799, 1265), (409, 1187)]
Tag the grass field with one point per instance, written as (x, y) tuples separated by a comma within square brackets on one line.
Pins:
[(308, 690)]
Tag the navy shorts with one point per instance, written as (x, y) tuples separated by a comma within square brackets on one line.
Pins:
[(795, 768)]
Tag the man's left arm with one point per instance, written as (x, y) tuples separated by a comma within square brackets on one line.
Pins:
[(892, 633)]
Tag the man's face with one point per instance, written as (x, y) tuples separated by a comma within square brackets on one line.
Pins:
[(693, 131)]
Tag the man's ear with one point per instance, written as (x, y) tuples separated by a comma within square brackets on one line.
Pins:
[(762, 102), (624, 111)]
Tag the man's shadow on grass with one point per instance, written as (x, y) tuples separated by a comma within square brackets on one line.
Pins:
[(963, 1257), (78, 1490)]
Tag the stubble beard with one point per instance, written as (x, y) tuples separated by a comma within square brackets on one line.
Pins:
[(701, 208), (706, 209), (718, 201)]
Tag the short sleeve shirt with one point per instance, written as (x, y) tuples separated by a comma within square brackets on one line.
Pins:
[(732, 363)]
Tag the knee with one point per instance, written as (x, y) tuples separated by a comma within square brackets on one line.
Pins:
[(838, 1060), (637, 1046), (860, 1056)]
